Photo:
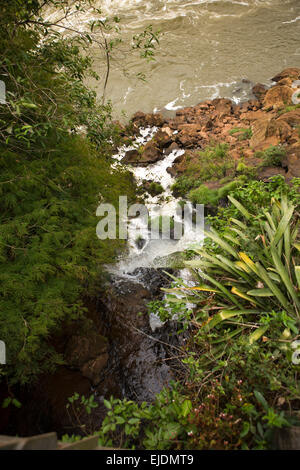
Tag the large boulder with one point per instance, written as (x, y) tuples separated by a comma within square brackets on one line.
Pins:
[(277, 97), (189, 135), (259, 90), (293, 161), (259, 140), (81, 349), (150, 153), (223, 107), (291, 72), (163, 137), (147, 120)]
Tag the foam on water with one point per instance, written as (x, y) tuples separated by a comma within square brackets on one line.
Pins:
[(154, 253)]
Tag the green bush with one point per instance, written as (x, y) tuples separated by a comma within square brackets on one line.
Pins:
[(203, 195), (54, 172)]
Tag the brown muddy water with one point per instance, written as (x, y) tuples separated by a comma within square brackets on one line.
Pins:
[(207, 47)]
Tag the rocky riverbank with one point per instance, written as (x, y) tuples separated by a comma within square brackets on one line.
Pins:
[(261, 136)]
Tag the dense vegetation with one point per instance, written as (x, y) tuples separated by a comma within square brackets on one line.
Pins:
[(238, 383), (54, 170)]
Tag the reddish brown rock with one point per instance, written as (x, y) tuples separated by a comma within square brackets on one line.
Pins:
[(292, 117), (277, 97), (259, 91), (293, 161), (163, 139), (291, 72), (147, 120), (132, 156), (189, 135), (279, 129), (171, 148), (223, 107), (151, 153), (259, 130)]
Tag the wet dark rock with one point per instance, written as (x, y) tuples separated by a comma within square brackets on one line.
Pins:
[(132, 156), (171, 148), (140, 243), (134, 351), (81, 349), (150, 153)]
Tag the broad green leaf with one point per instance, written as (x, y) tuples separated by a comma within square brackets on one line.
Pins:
[(240, 207), (264, 292), (282, 225), (258, 333), (226, 314), (297, 273), (222, 243), (284, 276), (259, 397), (268, 281)]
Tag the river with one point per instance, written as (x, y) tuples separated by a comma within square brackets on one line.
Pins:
[(206, 49)]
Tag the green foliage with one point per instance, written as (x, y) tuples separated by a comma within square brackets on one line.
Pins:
[(288, 109), (272, 156), (209, 164), (79, 409), (160, 425), (155, 188), (248, 286), (241, 133), (255, 195), (54, 171), (204, 195)]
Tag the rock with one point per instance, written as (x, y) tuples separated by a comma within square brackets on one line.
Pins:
[(163, 139), (132, 156), (179, 165), (137, 368), (292, 161), (151, 153), (279, 129), (267, 172), (223, 107), (147, 120), (292, 72), (189, 135), (171, 148), (287, 438), (81, 349), (259, 90), (292, 118), (259, 130), (277, 97), (93, 368)]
